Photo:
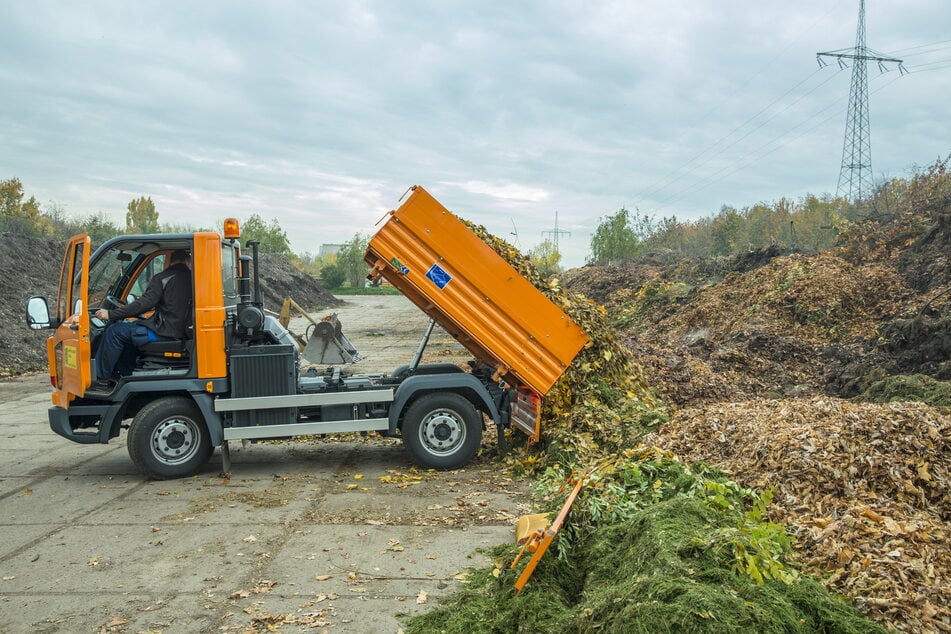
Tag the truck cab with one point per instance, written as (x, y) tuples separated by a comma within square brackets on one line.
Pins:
[(187, 373), (119, 272)]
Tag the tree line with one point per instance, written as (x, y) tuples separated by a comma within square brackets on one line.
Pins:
[(811, 223)]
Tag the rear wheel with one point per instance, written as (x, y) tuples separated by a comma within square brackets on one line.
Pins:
[(442, 431), (169, 439)]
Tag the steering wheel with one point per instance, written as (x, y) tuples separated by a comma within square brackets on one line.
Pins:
[(110, 301)]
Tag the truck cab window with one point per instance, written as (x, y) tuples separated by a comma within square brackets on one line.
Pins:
[(104, 273), (76, 276), (228, 275), (141, 282)]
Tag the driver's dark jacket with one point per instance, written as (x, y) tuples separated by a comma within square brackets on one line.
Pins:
[(170, 294)]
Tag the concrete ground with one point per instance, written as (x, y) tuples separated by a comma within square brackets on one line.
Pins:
[(337, 535)]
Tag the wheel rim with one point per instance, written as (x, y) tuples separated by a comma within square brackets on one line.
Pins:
[(175, 440), (442, 432)]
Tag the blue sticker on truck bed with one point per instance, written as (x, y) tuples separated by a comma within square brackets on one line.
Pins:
[(438, 276)]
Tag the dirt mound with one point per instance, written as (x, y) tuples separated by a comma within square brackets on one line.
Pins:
[(280, 279), (864, 488), (600, 282), (816, 299), (926, 264), (755, 258), (31, 266)]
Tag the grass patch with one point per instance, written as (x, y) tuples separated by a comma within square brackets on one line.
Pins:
[(908, 387)]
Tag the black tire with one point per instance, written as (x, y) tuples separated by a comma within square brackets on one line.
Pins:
[(442, 431), (169, 438)]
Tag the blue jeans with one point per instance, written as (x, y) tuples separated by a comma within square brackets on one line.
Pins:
[(120, 347)]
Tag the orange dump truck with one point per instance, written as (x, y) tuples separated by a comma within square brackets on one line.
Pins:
[(436, 261), (236, 373)]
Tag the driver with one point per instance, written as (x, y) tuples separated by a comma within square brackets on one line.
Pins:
[(169, 293)]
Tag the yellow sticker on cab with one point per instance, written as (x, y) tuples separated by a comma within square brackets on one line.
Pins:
[(70, 357)]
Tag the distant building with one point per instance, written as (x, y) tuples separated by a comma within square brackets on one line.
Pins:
[(329, 249)]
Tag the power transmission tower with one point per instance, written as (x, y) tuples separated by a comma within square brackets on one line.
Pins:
[(855, 175), (556, 233)]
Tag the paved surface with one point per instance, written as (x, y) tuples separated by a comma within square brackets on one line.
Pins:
[(334, 535)]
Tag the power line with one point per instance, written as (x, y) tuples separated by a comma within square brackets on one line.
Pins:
[(661, 183), (771, 145), (928, 52), (914, 48), (664, 201), (939, 61), (684, 172), (695, 162), (918, 72)]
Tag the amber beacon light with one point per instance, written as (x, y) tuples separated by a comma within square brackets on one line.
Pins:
[(231, 228)]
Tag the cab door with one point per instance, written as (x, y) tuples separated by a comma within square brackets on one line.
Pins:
[(70, 344)]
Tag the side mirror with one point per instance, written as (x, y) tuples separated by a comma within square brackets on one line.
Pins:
[(38, 314)]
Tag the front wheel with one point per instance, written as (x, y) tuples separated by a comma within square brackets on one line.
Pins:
[(169, 439), (442, 431)]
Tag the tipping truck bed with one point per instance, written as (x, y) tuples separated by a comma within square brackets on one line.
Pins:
[(480, 299)]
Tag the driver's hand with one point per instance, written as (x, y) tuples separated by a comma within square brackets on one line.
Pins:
[(103, 314)]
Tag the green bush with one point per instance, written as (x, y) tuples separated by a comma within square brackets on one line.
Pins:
[(331, 276)]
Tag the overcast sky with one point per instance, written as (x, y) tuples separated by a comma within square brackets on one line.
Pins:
[(321, 114)]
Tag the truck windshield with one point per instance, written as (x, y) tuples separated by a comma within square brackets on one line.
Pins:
[(106, 271)]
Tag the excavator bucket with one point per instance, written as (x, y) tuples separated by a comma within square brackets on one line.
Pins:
[(327, 345)]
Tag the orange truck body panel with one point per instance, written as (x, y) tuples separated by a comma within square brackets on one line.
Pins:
[(209, 309), (434, 259)]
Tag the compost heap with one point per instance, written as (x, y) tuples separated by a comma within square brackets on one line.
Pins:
[(652, 544), (750, 348)]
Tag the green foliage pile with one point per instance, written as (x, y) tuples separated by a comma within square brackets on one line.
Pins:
[(653, 546), (905, 387)]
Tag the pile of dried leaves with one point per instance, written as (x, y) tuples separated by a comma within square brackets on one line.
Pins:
[(864, 489)]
